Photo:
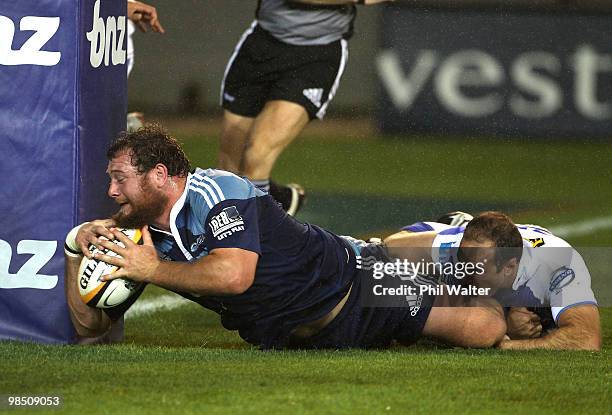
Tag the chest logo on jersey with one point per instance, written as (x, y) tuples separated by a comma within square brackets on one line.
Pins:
[(536, 242), (562, 278), (199, 242), (226, 223)]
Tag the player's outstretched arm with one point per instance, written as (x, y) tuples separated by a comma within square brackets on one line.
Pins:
[(412, 246), (224, 271), (578, 329), (87, 321)]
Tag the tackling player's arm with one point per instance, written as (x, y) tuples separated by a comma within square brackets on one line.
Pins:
[(224, 271), (412, 246), (578, 329)]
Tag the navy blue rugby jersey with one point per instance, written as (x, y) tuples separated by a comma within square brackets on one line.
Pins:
[(303, 271)]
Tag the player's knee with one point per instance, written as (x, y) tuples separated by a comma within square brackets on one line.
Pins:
[(229, 161), (259, 155)]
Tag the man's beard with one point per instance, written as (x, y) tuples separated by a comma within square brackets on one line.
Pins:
[(144, 211)]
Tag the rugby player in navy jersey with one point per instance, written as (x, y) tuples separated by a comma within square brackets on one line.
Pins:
[(545, 281), (216, 239)]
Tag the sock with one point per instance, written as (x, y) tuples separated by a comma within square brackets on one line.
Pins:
[(263, 185)]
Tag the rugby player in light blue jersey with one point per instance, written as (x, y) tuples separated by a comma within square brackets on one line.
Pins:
[(216, 239), (545, 280)]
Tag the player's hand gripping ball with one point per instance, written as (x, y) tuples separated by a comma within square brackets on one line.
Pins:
[(106, 294)]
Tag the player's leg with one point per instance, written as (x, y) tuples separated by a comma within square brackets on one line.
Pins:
[(309, 78), (243, 93), (478, 326), (278, 124), (234, 135)]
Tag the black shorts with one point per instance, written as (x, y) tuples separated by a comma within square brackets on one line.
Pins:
[(263, 69), (360, 326)]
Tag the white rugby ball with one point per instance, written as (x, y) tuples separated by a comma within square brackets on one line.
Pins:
[(106, 294)]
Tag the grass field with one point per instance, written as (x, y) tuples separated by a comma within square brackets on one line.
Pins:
[(180, 360)]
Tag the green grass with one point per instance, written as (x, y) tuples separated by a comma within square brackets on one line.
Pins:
[(538, 181), (182, 361), (155, 379)]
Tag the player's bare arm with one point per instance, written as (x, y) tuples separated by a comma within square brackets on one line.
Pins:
[(578, 329), (87, 321), (413, 246), (224, 271), (476, 323), (523, 324), (145, 16)]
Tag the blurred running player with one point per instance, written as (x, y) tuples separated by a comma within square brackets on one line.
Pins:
[(284, 72)]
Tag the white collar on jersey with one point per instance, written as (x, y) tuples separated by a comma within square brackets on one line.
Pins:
[(176, 208)]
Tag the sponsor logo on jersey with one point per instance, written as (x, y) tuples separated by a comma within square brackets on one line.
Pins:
[(536, 242), (314, 95), (226, 223), (199, 242), (562, 278)]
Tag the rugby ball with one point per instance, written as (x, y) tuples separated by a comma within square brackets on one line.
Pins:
[(106, 294)]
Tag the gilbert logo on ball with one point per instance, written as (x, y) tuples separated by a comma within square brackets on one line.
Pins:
[(106, 294)]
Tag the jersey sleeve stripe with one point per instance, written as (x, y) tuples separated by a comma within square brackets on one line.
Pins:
[(203, 193), (199, 181), (418, 227), (216, 186), (208, 189), (217, 196), (567, 307)]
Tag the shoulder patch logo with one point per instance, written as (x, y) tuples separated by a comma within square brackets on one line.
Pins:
[(226, 223), (314, 95), (562, 278)]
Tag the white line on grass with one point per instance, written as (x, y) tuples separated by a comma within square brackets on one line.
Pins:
[(169, 302), (582, 228), (153, 305)]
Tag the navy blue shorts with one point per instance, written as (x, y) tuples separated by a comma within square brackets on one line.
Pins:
[(358, 326)]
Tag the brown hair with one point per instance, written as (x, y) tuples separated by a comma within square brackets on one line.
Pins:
[(150, 145), (499, 229)]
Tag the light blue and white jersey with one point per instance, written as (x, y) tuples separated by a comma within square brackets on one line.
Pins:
[(556, 278), (194, 231)]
